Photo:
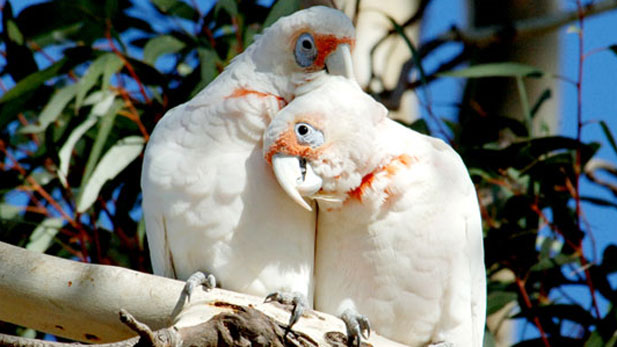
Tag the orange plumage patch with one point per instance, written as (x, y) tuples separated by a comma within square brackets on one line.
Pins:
[(367, 182), (288, 144), (327, 44), (390, 169), (242, 92)]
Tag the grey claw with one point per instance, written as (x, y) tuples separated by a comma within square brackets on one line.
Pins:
[(198, 279), (358, 326), (297, 300), (299, 306), (273, 297)]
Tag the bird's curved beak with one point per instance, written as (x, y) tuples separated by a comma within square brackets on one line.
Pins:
[(296, 177), (339, 62)]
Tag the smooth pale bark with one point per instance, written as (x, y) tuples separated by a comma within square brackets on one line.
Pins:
[(81, 301)]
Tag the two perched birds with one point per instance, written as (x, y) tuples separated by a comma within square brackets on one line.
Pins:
[(283, 176)]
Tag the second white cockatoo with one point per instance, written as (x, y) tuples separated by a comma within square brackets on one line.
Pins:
[(399, 235), (210, 201)]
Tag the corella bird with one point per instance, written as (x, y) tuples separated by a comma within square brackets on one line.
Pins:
[(210, 201), (399, 231)]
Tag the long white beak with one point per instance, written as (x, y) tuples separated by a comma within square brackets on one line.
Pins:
[(339, 62), (296, 177)]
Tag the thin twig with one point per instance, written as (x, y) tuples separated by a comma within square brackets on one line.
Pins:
[(126, 63), (536, 320), (578, 166), (482, 37), (133, 114)]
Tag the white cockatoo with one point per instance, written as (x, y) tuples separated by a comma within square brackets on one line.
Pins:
[(210, 201), (399, 235)]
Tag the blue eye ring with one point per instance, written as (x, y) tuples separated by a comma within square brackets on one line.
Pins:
[(307, 135), (305, 51)]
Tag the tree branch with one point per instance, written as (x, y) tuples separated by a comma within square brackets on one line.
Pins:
[(82, 301), (485, 36)]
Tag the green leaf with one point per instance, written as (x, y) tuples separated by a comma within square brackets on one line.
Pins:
[(207, 61), (546, 95), (609, 258), (176, 8), (609, 135), (111, 8), (117, 158), (33, 81), (230, 6), (497, 300), (44, 234), (495, 70), (613, 48), (52, 110), (157, 46), (598, 201), (489, 339), (14, 33), (58, 36), (105, 128), (414, 52), (8, 211), (280, 9), (67, 148), (105, 66), (141, 232)]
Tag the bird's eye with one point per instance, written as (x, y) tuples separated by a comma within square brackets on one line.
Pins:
[(305, 51), (306, 134), (303, 129)]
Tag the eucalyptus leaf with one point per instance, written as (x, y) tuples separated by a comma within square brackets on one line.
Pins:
[(176, 8), (495, 70), (14, 33), (609, 135), (52, 110), (157, 46), (207, 61), (497, 300), (43, 235), (33, 81), (67, 149), (105, 65), (119, 156), (229, 6), (106, 125), (8, 211)]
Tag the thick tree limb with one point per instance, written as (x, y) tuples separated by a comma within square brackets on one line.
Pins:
[(82, 302)]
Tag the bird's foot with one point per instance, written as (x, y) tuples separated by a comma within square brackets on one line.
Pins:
[(358, 326), (297, 300), (198, 279)]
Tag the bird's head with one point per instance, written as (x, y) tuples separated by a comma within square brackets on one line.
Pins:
[(322, 144), (307, 44)]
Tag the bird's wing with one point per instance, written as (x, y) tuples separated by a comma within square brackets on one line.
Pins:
[(463, 207), (184, 179), (448, 224)]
